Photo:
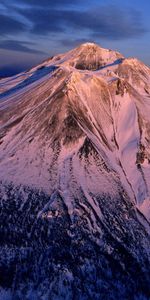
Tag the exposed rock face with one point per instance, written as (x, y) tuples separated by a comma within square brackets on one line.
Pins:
[(75, 178)]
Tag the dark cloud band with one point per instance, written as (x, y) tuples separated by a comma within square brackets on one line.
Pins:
[(20, 46), (9, 25), (108, 22), (57, 16)]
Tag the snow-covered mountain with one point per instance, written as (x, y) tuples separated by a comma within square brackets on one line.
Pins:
[(75, 178)]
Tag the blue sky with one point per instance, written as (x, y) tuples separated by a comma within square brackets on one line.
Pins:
[(32, 30)]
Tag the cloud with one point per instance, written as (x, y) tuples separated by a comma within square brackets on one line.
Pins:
[(109, 22), (9, 25), (48, 16), (20, 46), (44, 21), (48, 3), (44, 4)]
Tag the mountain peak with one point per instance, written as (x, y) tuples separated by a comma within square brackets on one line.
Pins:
[(89, 44), (90, 56)]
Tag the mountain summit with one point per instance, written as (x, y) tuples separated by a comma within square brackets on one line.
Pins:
[(75, 178), (90, 56)]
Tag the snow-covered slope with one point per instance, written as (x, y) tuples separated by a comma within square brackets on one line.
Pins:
[(75, 175)]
